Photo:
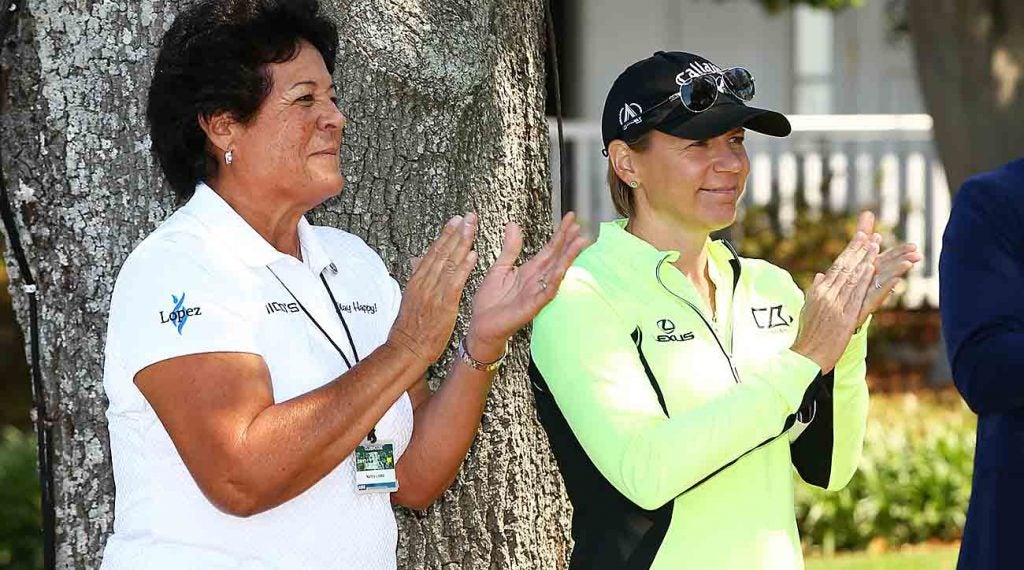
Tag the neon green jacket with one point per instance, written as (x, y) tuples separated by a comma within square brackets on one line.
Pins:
[(676, 430)]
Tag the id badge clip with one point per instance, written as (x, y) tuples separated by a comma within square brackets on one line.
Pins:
[(375, 468)]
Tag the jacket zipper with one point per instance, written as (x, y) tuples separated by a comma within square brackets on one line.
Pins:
[(728, 357), (707, 323)]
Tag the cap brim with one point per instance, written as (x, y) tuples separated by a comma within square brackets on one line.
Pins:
[(721, 119)]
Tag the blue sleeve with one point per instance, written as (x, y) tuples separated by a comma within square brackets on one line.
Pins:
[(981, 280)]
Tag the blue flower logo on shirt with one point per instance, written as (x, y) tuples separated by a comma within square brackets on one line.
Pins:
[(179, 315), (183, 315)]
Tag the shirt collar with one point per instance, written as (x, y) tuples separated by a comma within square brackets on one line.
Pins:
[(720, 263), (227, 227), (312, 250)]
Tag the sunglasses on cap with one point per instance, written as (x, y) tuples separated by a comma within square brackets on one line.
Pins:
[(698, 94)]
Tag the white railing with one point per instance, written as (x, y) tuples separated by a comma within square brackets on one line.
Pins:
[(840, 163)]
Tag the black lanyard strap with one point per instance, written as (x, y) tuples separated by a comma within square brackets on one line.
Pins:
[(372, 436), (348, 363), (337, 309)]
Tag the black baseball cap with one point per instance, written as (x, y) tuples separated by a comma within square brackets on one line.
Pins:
[(649, 82)]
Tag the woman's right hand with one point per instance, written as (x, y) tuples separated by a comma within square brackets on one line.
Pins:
[(833, 303), (430, 302)]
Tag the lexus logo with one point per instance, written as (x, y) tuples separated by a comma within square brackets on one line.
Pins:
[(667, 329)]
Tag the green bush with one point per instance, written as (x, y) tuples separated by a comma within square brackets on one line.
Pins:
[(913, 484), (812, 245), (21, 540)]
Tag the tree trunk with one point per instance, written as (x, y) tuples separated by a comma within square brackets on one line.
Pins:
[(970, 59), (445, 106), (445, 103)]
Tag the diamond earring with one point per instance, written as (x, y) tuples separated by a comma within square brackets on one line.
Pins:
[(229, 157)]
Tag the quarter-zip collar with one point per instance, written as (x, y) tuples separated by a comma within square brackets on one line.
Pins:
[(643, 257)]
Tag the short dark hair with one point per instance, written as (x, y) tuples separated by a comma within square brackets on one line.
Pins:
[(214, 59)]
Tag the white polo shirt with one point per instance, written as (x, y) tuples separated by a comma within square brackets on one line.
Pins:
[(205, 281)]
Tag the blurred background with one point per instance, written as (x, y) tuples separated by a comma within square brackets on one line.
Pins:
[(862, 138)]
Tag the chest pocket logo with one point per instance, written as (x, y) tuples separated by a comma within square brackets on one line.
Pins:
[(668, 328), (770, 317), (279, 307)]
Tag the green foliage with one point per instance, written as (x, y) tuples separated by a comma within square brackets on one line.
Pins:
[(778, 5), (20, 514), (913, 484), (931, 558), (815, 241)]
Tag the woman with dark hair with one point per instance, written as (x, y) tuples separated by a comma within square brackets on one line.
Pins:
[(266, 377), (679, 383)]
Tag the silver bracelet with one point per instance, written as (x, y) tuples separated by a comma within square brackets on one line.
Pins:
[(465, 357)]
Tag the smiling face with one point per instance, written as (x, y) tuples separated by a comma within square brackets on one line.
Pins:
[(695, 184), (291, 147)]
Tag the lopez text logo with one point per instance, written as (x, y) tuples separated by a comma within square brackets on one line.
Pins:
[(669, 328), (180, 314)]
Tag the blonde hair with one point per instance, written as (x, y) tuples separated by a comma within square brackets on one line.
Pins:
[(622, 194)]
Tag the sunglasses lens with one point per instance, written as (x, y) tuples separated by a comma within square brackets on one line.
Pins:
[(700, 94), (740, 82)]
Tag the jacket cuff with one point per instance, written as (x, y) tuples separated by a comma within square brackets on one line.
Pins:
[(791, 373)]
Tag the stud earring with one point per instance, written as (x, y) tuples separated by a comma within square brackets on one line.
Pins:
[(229, 157), (633, 184)]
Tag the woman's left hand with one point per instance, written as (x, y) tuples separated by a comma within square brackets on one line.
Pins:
[(890, 266), (511, 296)]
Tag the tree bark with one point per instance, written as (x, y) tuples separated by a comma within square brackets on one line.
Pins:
[(970, 60), (445, 105)]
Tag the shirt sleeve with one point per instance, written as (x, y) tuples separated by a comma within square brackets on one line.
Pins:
[(169, 302), (588, 361), (827, 450), (981, 273)]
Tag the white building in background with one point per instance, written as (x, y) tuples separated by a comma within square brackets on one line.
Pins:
[(804, 60), (861, 138)]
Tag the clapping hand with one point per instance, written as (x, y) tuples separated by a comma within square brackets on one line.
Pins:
[(430, 302), (511, 296), (835, 299), (890, 267)]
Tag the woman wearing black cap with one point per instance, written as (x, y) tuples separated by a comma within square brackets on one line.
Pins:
[(678, 382)]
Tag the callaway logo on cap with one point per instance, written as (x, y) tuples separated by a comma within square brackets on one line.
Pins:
[(684, 95)]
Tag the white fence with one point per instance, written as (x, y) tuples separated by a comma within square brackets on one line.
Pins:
[(838, 163)]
